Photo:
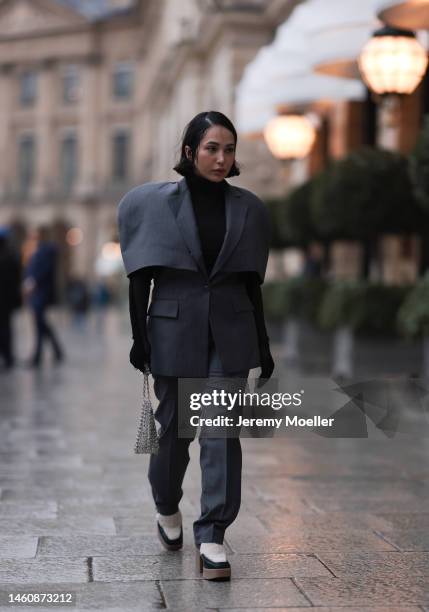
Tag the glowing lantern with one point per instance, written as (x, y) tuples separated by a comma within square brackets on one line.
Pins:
[(290, 136), (393, 62)]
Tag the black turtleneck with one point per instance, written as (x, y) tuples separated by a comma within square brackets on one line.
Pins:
[(208, 201)]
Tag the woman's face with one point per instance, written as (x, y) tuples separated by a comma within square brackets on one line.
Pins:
[(215, 154)]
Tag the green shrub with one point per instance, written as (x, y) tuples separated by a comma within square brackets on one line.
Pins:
[(413, 316), (378, 311), (274, 300), (295, 220), (367, 193), (338, 306), (368, 308), (278, 239), (296, 297)]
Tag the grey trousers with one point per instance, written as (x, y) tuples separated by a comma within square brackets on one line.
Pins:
[(220, 461)]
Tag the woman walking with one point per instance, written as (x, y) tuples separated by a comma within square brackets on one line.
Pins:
[(205, 245)]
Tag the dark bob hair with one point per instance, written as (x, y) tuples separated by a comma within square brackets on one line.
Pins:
[(194, 133)]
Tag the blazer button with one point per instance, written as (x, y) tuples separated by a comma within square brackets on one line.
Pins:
[(206, 286)]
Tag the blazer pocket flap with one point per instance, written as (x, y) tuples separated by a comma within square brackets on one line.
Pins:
[(242, 302), (164, 308)]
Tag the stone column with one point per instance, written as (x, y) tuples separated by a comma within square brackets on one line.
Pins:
[(87, 174), (7, 146), (89, 177), (46, 162)]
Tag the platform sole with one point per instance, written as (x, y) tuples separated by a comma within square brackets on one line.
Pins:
[(219, 574)]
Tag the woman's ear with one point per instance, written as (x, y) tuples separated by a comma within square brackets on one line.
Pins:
[(188, 152)]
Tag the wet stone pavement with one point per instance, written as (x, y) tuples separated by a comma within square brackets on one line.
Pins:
[(325, 524)]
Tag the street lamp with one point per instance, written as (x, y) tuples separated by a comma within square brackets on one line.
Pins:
[(290, 136), (393, 61)]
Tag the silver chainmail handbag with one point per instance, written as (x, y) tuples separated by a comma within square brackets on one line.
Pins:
[(147, 436)]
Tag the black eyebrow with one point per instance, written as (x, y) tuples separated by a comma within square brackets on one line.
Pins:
[(230, 144)]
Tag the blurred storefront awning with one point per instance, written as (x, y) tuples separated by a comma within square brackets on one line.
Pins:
[(281, 75), (338, 34), (409, 14)]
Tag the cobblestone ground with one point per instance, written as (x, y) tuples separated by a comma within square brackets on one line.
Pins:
[(326, 524)]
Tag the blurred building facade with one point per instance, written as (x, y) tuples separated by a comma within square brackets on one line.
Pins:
[(94, 97), (68, 118)]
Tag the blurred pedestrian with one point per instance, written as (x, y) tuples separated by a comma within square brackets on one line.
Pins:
[(10, 284), (78, 299), (39, 290), (100, 300)]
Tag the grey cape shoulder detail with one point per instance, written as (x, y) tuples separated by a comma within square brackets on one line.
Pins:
[(157, 228)]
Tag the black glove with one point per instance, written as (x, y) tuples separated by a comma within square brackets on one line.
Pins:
[(139, 289), (253, 289), (267, 364), (139, 357)]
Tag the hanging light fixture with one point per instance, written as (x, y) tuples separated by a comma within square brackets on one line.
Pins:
[(290, 136), (393, 61)]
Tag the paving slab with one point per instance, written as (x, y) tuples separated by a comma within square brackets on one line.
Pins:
[(63, 569), (51, 477), (202, 593), (388, 521), (407, 539), (379, 591), (116, 509), (132, 568), (277, 522), (46, 464), (286, 565), (406, 531), (79, 496), (17, 547), (38, 509), (370, 495), (309, 540), (71, 525), (94, 546), (366, 564)]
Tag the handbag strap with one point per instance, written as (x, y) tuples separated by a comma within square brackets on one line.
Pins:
[(146, 391)]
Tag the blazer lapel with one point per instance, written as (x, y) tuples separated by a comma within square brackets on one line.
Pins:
[(181, 205), (235, 212)]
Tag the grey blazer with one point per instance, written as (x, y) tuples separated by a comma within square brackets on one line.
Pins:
[(157, 227)]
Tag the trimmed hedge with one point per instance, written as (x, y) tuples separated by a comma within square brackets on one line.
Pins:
[(413, 316), (368, 308), (364, 195), (295, 220), (275, 208), (297, 297)]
